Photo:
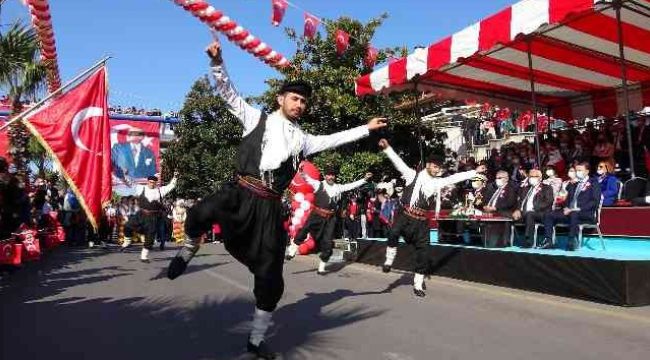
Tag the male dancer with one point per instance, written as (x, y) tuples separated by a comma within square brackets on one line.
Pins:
[(249, 209), (417, 200), (321, 223), (147, 219)]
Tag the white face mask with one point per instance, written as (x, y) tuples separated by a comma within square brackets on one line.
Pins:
[(600, 171), (550, 174), (501, 182), (572, 175), (533, 181), (476, 185), (581, 175)]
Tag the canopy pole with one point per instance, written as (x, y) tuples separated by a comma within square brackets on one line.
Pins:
[(533, 99), (626, 97)]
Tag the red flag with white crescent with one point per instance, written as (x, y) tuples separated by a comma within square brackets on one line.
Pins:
[(371, 57), (74, 129), (342, 41), (311, 25), (279, 7)]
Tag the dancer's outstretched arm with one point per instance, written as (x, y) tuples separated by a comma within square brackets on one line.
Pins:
[(247, 115), (164, 190), (408, 173), (316, 143), (353, 185)]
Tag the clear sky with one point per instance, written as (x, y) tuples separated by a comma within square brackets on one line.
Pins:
[(158, 47)]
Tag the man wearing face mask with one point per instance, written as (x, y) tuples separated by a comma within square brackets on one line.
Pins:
[(502, 202), (322, 220), (535, 202), (421, 195), (553, 180), (580, 207)]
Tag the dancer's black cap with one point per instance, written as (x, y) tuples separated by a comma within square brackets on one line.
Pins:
[(299, 87)]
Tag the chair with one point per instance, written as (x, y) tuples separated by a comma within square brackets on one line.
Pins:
[(537, 226), (619, 184), (581, 227)]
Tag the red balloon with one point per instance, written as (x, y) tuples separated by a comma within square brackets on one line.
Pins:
[(307, 246), (298, 184)]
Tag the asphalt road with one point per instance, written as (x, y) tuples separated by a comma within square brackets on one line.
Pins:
[(97, 304)]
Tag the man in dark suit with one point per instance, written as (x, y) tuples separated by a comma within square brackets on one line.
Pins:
[(582, 202), (502, 202), (535, 201), (133, 158)]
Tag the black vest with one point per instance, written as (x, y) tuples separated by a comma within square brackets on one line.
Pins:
[(323, 200), (422, 202), (249, 156), (145, 204)]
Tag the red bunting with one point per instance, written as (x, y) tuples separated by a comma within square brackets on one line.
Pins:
[(371, 57), (279, 7), (342, 41), (311, 25)]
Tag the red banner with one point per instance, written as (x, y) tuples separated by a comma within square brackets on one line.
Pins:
[(342, 41), (279, 7), (74, 129), (311, 25), (135, 153)]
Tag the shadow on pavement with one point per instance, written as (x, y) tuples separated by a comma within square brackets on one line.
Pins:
[(37, 325)]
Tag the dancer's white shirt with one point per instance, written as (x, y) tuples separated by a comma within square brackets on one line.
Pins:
[(334, 191), (425, 184), (282, 138), (155, 193)]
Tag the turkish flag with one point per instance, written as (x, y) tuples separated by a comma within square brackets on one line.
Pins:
[(279, 7), (342, 41), (311, 25), (74, 129), (371, 57)]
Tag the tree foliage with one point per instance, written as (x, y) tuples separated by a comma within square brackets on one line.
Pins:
[(22, 74), (335, 107), (207, 140)]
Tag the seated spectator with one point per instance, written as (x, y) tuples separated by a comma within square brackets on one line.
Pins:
[(536, 201), (580, 208), (608, 183), (553, 180), (502, 203), (645, 198), (604, 149)]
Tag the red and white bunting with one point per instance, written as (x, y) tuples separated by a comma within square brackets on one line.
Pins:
[(42, 22), (342, 41), (370, 58), (279, 7), (233, 31), (311, 25)]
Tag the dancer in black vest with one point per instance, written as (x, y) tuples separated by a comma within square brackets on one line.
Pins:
[(146, 220), (419, 198), (321, 223), (249, 210)]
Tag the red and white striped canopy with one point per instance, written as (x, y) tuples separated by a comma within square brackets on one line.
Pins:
[(574, 48)]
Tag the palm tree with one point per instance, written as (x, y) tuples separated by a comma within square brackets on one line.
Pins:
[(22, 75)]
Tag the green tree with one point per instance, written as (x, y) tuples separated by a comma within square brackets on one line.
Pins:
[(22, 75), (335, 107), (207, 140)]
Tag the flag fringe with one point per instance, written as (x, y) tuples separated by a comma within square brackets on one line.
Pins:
[(71, 183)]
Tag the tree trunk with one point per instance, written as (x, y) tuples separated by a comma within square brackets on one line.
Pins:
[(18, 138)]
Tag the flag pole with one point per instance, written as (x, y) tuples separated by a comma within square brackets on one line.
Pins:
[(53, 94)]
